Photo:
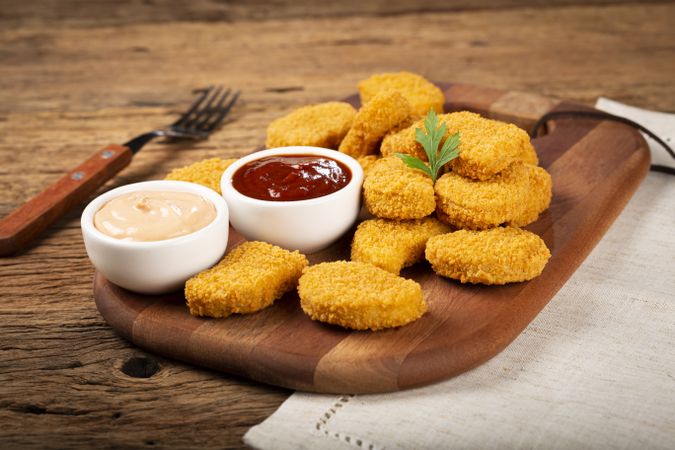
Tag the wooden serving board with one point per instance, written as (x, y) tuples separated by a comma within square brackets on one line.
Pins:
[(596, 166)]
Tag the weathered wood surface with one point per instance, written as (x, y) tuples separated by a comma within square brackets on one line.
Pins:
[(69, 86), (124, 12)]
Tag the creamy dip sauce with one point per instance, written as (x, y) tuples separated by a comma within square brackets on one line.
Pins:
[(154, 215)]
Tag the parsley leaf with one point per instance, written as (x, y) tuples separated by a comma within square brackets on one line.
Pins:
[(430, 141), (414, 162)]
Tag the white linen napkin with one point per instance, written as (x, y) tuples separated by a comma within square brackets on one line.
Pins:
[(595, 369), (660, 123)]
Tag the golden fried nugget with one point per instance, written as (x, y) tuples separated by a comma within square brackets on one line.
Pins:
[(404, 141), (322, 125), (393, 190), (207, 172), (420, 93), (486, 146), (495, 256), (515, 196), (527, 154), (251, 277), (538, 197), (392, 245), (359, 296), (367, 163), (374, 120)]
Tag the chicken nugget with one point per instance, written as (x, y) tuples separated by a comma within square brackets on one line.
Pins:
[(515, 196), (207, 172), (486, 146), (367, 163), (537, 199), (392, 245), (374, 120), (420, 93), (322, 125), (393, 190), (527, 154), (250, 278), (495, 256), (359, 296), (404, 141)]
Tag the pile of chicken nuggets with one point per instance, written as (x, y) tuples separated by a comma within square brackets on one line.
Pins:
[(467, 224)]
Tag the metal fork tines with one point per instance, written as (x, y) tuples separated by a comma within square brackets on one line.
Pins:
[(205, 115)]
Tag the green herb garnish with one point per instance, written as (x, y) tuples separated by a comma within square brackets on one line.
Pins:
[(430, 141)]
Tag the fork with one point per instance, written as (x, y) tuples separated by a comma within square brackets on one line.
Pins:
[(25, 223)]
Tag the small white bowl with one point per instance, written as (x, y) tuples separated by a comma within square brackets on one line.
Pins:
[(159, 266), (306, 225)]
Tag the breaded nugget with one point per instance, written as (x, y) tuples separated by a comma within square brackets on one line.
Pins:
[(527, 154), (359, 296), (322, 125), (420, 93), (374, 120), (404, 141), (486, 146), (393, 190), (251, 277), (515, 196), (367, 162), (391, 244), (495, 256), (207, 172), (537, 198)]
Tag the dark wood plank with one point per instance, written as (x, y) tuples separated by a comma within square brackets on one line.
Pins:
[(124, 12), (595, 171)]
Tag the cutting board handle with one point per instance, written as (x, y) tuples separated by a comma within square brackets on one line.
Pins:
[(521, 108), (24, 224)]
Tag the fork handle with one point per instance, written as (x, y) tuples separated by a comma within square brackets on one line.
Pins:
[(26, 222)]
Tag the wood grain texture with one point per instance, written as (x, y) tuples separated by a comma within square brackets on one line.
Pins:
[(77, 75), (595, 172), (29, 220), (123, 12)]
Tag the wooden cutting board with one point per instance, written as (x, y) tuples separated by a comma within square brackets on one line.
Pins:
[(596, 166)]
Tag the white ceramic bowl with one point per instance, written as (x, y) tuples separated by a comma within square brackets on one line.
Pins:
[(305, 225), (159, 266)]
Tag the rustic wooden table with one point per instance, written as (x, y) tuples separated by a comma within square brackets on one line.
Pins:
[(75, 76)]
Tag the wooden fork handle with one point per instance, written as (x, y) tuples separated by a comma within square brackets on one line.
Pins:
[(26, 222)]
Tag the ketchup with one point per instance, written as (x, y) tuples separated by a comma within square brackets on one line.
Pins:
[(291, 177)]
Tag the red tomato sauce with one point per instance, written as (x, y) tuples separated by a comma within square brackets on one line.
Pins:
[(291, 177)]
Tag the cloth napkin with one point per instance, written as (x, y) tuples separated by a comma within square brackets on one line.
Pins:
[(595, 369), (660, 123)]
